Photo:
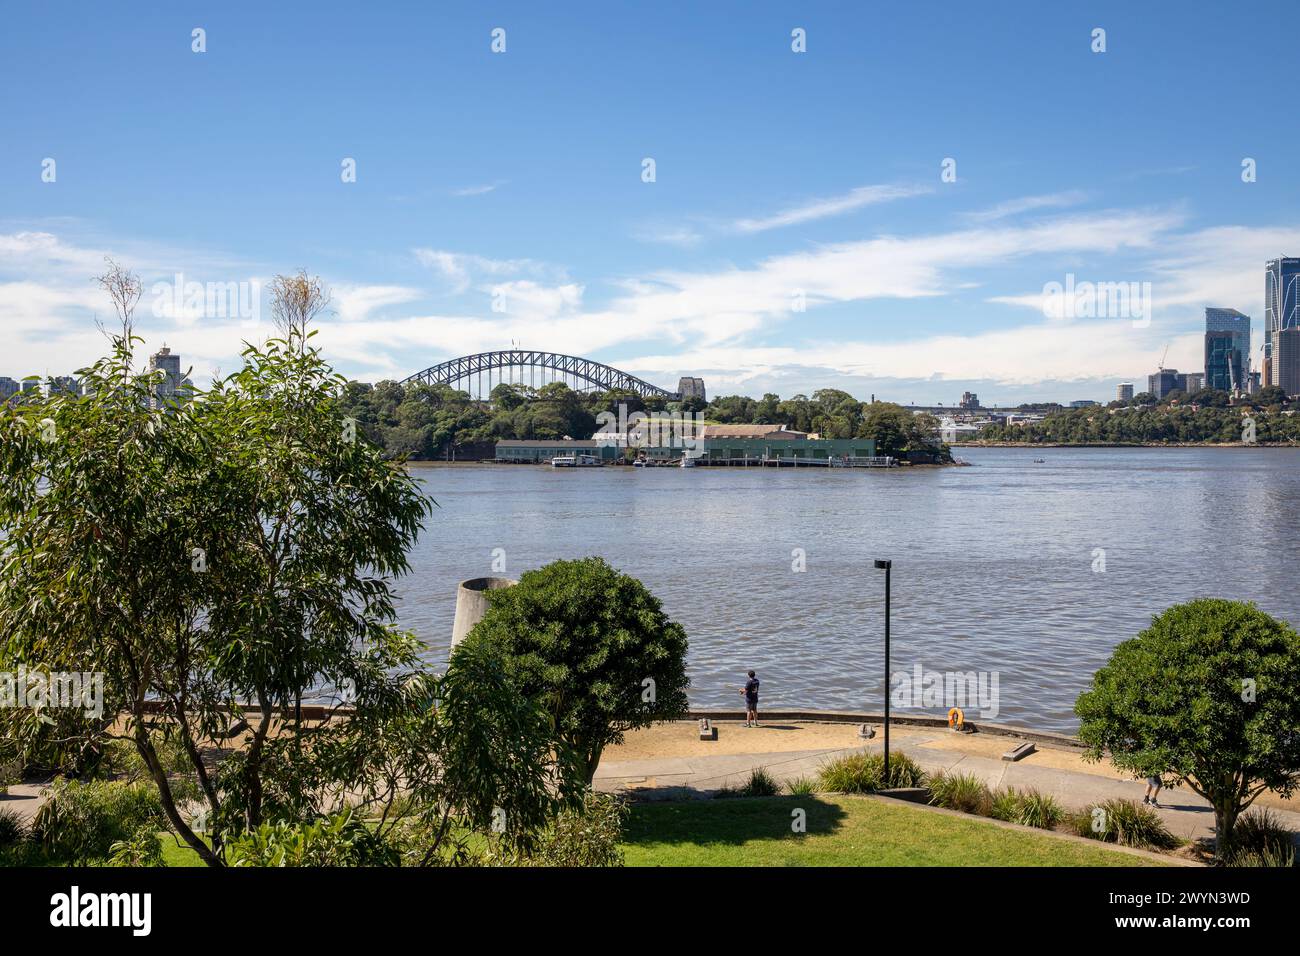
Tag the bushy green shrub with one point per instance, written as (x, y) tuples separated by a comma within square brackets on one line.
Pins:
[(865, 773), (82, 821), (961, 791), (1034, 809), (337, 840), (760, 784), (143, 848), (122, 757), (11, 768), (1262, 840), (585, 836), (1125, 822), (1005, 805), (969, 794), (12, 828), (1272, 859), (801, 786)]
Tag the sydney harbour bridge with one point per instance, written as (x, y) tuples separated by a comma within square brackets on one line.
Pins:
[(471, 373)]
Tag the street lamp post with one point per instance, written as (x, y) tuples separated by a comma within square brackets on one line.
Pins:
[(885, 566)]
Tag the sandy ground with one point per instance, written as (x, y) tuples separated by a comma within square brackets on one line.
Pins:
[(681, 740)]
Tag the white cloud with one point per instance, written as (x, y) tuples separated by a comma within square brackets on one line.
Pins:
[(1014, 207), (831, 206), (478, 190), (460, 268), (355, 303), (737, 321)]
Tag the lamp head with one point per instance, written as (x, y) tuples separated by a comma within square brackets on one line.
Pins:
[(883, 565)]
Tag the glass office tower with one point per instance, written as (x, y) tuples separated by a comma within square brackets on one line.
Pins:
[(1227, 350), (1281, 311)]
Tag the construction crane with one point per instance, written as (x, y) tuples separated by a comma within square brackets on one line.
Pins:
[(1161, 366)]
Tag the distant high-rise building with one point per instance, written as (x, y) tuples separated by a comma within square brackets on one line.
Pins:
[(62, 385), (1286, 356), (691, 388), (969, 400), (1124, 392), (170, 364), (8, 388), (1193, 382), (1281, 311), (1252, 383), (1166, 380), (1227, 349)]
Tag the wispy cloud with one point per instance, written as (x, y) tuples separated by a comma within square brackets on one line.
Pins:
[(1014, 207), (831, 206), (672, 235), (736, 319), (461, 268), (692, 231), (478, 190), (357, 303)]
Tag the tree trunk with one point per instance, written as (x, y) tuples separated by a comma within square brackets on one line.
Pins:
[(150, 757), (1225, 821)]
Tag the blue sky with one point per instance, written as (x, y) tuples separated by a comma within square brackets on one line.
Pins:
[(514, 179)]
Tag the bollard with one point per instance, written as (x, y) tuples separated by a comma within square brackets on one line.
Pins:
[(471, 604)]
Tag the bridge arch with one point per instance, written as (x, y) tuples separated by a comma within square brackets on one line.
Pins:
[(552, 366)]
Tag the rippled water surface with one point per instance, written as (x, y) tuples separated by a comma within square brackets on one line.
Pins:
[(993, 564)]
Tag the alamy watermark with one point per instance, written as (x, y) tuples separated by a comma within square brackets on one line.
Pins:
[(682, 430), (179, 299), (977, 690), (41, 690), (1098, 300)]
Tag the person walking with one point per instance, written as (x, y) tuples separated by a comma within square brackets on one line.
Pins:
[(751, 700), (1154, 783)]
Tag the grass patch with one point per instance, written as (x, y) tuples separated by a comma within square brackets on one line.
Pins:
[(841, 831)]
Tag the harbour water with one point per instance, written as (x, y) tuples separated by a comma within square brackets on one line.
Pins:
[(1028, 571)]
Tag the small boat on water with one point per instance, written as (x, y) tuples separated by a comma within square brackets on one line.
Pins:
[(688, 461), (1040, 461), (576, 461)]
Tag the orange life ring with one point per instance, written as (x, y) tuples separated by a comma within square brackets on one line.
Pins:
[(956, 719)]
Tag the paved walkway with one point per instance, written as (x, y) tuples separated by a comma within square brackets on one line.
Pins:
[(688, 765)]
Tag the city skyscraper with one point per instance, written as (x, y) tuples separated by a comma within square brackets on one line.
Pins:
[(1281, 311), (1227, 349), (171, 365), (1124, 392), (1286, 358), (1164, 381), (62, 384)]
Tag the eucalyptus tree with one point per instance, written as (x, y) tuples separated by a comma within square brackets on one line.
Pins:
[(232, 547)]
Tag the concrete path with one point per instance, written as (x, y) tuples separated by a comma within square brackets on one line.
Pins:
[(24, 799), (1058, 772)]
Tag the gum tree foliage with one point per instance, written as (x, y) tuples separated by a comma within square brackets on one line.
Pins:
[(444, 768), (1206, 695), (584, 639), (231, 547), (1145, 421)]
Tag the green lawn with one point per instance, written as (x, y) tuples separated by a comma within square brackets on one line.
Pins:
[(841, 831)]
